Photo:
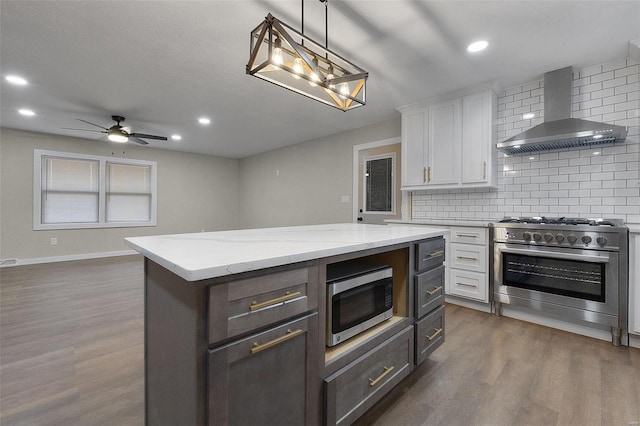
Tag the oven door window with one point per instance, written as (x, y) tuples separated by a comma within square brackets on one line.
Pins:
[(584, 280), (359, 304)]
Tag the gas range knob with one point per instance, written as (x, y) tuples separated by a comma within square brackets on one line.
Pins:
[(537, 236), (602, 240), (586, 239), (526, 236), (572, 238), (559, 238), (548, 237)]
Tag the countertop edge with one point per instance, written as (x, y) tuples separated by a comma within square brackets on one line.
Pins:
[(270, 262)]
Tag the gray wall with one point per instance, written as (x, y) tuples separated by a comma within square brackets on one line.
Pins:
[(195, 192), (312, 177)]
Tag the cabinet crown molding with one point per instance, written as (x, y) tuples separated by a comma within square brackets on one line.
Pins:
[(494, 86)]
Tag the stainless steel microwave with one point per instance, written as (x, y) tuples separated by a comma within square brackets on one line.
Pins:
[(359, 296)]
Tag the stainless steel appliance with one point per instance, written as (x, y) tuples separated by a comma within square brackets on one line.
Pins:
[(572, 269), (359, 296)]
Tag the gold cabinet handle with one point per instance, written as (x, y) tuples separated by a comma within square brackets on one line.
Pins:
[(484, 170), (467, 285), (434, 335), (288, 296), (261, 347), (466, 258), (429, 174), (434, 291), (387, 371), (435, 254), (425, 174), (466, 235)]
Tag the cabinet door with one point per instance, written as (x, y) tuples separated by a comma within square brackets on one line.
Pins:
[(478, 145), (266, 378), (634, 282), (444, 127), (413, 148)]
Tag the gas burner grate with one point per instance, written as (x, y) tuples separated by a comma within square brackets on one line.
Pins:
[(558, 221)]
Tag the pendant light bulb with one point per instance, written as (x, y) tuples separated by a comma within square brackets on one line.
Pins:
[(276, 56), (344, 91), (298, 68), (314, 76), (330, 76)]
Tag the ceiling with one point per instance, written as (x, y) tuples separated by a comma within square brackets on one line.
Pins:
[(164, 64)]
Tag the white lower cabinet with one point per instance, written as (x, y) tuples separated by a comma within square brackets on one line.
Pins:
[(466, 259), (634, 283)]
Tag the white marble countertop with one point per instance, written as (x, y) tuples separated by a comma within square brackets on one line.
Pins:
[(205, 255)]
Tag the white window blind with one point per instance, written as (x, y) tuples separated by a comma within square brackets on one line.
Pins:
[(128, 193), (69, 190), (88, 191)]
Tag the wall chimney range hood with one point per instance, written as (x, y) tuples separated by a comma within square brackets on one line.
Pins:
[(559, 130)]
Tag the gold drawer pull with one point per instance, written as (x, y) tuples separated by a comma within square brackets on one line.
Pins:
[(288, 296), (259, 348), (434, 335), (467, 258), (467, 285), (466, 235), (434, 291), (387, 371), (434, 254)]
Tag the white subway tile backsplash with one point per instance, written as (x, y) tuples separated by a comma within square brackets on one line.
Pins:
[(571, 182)]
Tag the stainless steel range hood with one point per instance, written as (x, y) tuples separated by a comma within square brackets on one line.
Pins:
[(559, 130)]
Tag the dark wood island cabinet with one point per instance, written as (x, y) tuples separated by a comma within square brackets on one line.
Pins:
[(244, 343)]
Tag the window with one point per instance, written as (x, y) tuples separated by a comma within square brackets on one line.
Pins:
[(379, 183), (88, 191)]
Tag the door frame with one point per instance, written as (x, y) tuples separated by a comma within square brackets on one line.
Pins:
[(406, 198)]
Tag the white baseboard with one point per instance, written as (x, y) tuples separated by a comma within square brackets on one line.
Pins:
[(7, 263)]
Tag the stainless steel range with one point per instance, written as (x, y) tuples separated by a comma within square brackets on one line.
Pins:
[(571, 269)]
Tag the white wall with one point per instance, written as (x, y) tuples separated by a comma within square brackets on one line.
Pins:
[(302, 184), (571, 182), (195, 192)]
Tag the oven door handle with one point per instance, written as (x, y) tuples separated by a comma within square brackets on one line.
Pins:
[(562, 256)]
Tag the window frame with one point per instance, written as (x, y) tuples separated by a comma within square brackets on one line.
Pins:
[(39, 154), (392, 156)]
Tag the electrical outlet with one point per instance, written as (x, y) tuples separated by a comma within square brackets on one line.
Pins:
[(54, 241)]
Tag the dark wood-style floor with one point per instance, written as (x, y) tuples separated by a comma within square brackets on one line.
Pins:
[(71, 353)]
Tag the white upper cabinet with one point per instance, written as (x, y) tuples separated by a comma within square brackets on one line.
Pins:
[(444, 143), (450, 143), (414, 155)]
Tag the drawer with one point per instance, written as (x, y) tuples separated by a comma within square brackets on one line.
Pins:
[(468, 235), (241, 391), (429, 291), (468, 284), (430, 253), (468, 257), (351, 391), (241, 306), (429, 334)]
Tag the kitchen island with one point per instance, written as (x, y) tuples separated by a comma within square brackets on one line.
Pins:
[(235, 323)]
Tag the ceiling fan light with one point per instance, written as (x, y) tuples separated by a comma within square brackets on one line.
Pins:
[(117, 136)]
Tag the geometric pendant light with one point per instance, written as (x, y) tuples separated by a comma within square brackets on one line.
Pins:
[(285, 57)]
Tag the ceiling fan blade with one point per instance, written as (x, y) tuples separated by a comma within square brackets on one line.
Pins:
[(143, 135), (83, 130), (93, 124), (137, 140)]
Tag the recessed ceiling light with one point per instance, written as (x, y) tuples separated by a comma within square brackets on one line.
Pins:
[(176, 137), (204, 120), (16, 79), (528, 115), (477, 46), (26, 112)]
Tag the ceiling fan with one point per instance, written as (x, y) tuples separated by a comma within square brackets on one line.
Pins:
[(118, 133)]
